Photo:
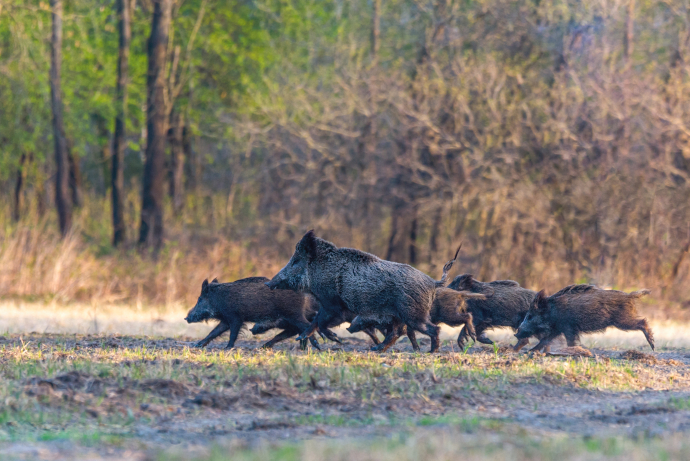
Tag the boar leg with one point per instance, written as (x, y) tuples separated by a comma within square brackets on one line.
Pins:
[(289, 332), (323, 317), (372, 334), (481, 335), (393, 334), (285, 334), (428, 329), (413, 339), (221, 328), (544, 343), (462, 338), (520, 344), (466, 318), (637, 324), (571, 338), (234, 332)]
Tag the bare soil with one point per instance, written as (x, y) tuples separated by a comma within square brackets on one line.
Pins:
[(145, 395)]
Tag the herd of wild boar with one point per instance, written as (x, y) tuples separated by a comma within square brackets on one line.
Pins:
[(323, 286)]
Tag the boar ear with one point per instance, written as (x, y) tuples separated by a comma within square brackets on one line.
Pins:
[(541, 299), (215, 280), (308, 243), (204, 285)]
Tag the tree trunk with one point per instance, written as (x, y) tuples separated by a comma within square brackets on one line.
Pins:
[(375, 30), (18, 201), (435, 231), (62, 199), (413, 236), (394, 232), (75, 178), (151, 230), (193, 168), (629, 30), (117, 172), (104, 142), (175, 138)]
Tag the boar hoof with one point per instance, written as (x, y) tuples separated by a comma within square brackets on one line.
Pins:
[(199, 344), (313, 342), (484, 340)]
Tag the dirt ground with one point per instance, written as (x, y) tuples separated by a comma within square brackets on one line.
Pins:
[(120, 397)]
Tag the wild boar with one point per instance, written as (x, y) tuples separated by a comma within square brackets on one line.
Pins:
[(449, 307), (505, 304), (250, 300), (346, 316), (345, 278), (578, 309)]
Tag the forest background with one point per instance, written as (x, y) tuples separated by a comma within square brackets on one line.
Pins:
[(146, 145)]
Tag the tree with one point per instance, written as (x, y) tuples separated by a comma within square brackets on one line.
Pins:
[(175, 135), (117, 170), (151, 230), (62, 199)]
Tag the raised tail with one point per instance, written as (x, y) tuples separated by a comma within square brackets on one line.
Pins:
[(639, 293), (447, 267)]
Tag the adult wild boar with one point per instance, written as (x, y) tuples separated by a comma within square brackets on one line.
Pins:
[(505, 304), (249, 300), (344, 278), (578, 309)]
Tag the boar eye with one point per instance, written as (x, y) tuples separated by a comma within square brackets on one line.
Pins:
[(295, 261)]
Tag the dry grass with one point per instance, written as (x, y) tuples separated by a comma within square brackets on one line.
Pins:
[(36, 265)]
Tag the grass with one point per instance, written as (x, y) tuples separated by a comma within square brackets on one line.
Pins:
[(96, 391), (455, 444)]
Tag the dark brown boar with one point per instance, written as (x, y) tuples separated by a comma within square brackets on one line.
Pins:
[(449, 307), (505, 304), (250, 300), (345, 316), (578, 309)]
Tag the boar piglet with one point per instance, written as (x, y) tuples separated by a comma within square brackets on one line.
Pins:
[(250, 300), (505, 304), (344, 278), (449, 307), (578, 309), (346, 316)]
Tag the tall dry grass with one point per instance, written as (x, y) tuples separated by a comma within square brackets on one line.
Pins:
[(519, 239)]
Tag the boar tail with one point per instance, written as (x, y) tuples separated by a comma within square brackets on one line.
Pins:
[(639, 293), (447, 267)]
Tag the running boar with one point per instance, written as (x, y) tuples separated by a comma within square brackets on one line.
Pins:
[(344, 278), (249, 300), (346, 316), (578, 309), (505, 305), (449, 307)]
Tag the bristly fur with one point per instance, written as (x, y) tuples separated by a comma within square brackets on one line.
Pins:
[(505, 305), (573, 289), (578, 309), (250, 300), (345, 278)]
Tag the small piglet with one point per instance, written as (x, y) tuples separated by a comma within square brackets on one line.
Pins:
[(578, 309), (449, 307), (345, 316), (250, 300)]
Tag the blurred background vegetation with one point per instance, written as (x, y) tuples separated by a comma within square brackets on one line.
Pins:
[(551, 136)]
